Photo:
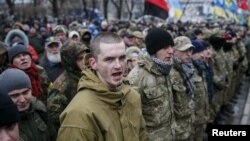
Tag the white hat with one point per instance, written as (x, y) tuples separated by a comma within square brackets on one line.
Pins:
[(72, 33)]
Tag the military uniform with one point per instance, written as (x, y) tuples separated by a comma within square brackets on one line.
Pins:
[(219, 81), (157, 99), (183, 105), (201, 104)]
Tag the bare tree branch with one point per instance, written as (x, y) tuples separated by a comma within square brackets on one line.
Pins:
[(105, 8), (118, 5), (11, 5), (130, 7)]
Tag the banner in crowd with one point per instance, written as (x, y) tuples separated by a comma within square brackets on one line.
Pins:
[(231, 7), (176, 7), (218, 8), (157, 8), (243, 4)]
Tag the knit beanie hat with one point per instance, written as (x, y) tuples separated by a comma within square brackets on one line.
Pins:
[(15, 50), (198, 46), (13, 79), (8, 110), (156, 39)]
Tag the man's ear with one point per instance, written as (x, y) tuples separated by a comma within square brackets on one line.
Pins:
[(92, 63)]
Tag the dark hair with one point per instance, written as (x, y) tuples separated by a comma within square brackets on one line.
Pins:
[(105, 37)]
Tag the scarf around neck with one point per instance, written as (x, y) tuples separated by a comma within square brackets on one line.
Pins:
[(163, 67)]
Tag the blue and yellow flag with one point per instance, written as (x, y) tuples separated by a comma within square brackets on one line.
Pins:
[(218, 8), (178, 9), (231, 7)]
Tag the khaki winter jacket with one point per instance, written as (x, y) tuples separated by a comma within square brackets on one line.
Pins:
[(97, 113)]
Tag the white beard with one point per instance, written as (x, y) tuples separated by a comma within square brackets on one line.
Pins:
[(54, 58)]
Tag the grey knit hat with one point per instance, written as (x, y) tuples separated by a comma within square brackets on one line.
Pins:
[(13, 79), (15, 50)]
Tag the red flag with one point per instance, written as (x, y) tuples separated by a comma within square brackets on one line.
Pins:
[(243, 4), (157, 8)]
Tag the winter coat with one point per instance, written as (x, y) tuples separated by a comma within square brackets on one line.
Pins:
[(24, 39), (97, 113), (33, 123), (53, 70), (64, 87), (183, 104), (157, 99)]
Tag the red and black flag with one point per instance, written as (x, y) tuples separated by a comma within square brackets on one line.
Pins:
[(157, 8)]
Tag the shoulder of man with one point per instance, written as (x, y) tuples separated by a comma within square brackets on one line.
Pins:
[(38, 105)]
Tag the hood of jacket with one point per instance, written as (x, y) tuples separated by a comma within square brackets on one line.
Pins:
[(69, 53), (16, 32), (115, 97)]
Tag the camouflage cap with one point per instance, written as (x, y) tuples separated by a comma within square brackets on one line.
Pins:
[(132, 52), (51, 40), (138, 34), (59, 29), (182, 43)]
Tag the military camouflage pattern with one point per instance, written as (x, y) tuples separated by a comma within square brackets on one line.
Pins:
[(201, 105), (229, 78), (219, 81), (157, 99), (183, 105), (65, 86)]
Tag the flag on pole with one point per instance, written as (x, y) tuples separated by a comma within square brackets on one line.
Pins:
[(218, 8), (157, 8), (230, 7), (176, 7)]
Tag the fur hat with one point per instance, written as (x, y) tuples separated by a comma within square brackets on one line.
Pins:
[(156, 39)]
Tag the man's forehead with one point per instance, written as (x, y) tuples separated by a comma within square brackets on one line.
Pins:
[(18, 91), (104, 46)]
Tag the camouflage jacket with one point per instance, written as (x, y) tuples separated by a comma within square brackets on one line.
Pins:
[(201, 109), (219, 69), (64, 87), (183, 104), (157, 99)]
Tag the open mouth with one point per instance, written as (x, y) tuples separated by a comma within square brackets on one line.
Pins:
[(117, 74), (24, 63)]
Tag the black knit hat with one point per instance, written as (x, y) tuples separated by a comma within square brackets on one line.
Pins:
[(8, 110), (15, 50), (156, 39), (13, 79)]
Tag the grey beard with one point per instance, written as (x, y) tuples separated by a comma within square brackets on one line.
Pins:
[(54, 58), (163, 67)]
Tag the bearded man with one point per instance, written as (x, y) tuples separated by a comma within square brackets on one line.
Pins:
[(51, 61)]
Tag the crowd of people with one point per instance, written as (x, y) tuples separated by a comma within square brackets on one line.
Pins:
[(114, 81)]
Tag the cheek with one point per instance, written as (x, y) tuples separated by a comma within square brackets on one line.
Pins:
[(16, 61)]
